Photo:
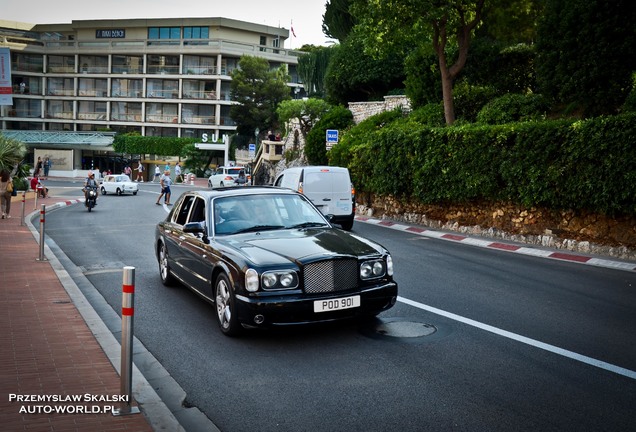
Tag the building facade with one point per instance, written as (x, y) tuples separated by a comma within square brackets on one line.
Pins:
[(158, 77)]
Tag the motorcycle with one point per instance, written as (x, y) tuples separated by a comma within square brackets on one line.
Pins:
[(91, 198)]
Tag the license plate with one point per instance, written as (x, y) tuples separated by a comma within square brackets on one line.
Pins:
[(336, 304)]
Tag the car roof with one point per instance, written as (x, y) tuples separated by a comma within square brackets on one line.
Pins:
[(242, 190)]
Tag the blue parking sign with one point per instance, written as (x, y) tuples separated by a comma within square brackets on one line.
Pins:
[(332, 135)]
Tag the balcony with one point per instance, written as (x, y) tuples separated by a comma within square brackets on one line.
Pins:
[(163, 94), (134, 117), (161, 118), (198, 119), (91, 116)]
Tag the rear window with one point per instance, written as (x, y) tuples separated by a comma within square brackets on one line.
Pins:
[(234, 171), (331, 181)]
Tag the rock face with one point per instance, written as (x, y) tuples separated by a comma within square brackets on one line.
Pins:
[(575, 231)]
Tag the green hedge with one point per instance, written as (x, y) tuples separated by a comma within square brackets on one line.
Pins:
[(560, 164), (163, 146)]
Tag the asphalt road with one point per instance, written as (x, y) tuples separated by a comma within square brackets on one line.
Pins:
[(480, 339)]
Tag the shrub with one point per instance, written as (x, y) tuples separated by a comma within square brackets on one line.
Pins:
[(514, 107)]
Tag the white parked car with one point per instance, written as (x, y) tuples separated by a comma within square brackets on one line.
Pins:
[(225, 176), (118, 184)]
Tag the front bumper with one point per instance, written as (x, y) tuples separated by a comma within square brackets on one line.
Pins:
[(299, 308)]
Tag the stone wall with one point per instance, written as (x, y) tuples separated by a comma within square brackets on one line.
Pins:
[(364, 110), (568, 230)]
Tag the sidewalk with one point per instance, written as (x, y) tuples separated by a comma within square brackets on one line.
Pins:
[(48, 350)]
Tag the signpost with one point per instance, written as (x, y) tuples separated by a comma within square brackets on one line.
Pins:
[(332, 138)]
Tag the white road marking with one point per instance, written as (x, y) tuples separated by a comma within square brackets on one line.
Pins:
[(532, 342)]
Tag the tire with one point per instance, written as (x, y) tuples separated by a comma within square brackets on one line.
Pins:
[(347, 225), (225, 302), (164, 268), (90, 208), (119, 192), (103, 191), (221, 184), (134, 193)]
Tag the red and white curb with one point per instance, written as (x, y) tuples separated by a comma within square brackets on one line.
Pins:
[(508, 247)]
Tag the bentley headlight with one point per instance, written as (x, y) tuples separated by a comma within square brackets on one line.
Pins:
[(279, 279), (372, 269), (269, 280), (251, 280)]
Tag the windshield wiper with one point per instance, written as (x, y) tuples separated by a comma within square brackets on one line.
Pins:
[(259, 228), (309, 225)]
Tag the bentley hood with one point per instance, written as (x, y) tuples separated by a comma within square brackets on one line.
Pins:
[(271, 247)]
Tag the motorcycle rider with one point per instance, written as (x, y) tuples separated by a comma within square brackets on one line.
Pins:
[(90, 183)]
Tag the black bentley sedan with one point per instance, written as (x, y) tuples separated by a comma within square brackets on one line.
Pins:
[(266, 256)]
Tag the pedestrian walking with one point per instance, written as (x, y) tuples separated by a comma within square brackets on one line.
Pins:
[(157, 174), (6, 188), (177, 173), (47, 166), (128, 171), (38, 167), (140, 173), (166, 181)]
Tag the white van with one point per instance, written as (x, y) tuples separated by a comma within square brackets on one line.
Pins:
[(329, 189)]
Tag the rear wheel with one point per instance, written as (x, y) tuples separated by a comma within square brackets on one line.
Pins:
[(347, 225), (225, 306), (103, 191), (164, 268)]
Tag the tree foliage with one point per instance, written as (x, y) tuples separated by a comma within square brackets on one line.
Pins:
[(337, 22), (389, 24), (312, 68), (586, 53), (11, 153), (354, 75), (258, 90), (163, 146), (307, 111)]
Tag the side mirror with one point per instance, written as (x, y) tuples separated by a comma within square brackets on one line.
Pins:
[(330, 217), (197, 228)]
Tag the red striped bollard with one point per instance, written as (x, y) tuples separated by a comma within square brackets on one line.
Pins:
[(127, 315), (23, 205), (42, 220)]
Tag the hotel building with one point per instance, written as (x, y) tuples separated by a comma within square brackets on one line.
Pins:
[(75, 85)]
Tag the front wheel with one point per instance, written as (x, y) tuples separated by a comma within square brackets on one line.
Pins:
[(134, 193), (225, 306), (119, 192), (103, 191)]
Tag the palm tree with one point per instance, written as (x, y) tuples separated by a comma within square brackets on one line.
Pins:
[(11, 153)]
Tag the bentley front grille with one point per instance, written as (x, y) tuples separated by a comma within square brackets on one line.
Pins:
[(331, 276)]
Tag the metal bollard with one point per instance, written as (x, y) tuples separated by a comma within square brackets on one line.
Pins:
[(23, 205), (42, 219), (127, 315)]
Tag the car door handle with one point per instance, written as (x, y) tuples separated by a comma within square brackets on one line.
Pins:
[(326, 199)]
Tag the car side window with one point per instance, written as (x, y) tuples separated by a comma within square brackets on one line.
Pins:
[(198, 211), (182, 214)]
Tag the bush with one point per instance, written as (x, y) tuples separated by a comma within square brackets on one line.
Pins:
[(514, 107), (338, 118), (470, 99), (583, 165)]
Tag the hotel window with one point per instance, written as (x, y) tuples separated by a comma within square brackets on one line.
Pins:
[(60, 87), (126, 87), (164, 32), (89, 110), (60, 64), (93, 64), (128, 64), (196, 33), (93, 87)]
